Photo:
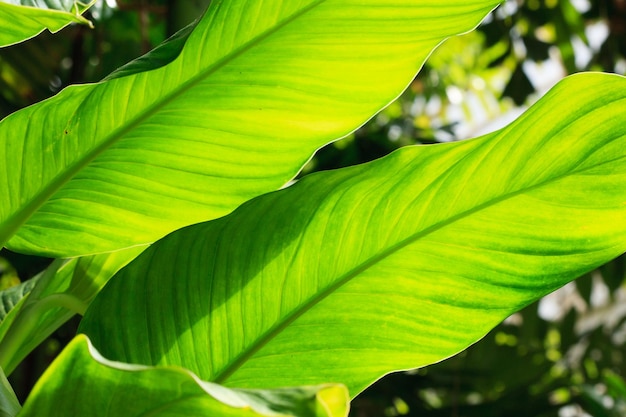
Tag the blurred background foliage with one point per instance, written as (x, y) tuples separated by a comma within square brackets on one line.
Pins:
[(563, 356)]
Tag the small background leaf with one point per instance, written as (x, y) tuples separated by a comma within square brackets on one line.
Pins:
[(23, 19), (11, 296)]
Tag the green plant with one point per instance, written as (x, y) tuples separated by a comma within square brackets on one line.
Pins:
[(160, 182)]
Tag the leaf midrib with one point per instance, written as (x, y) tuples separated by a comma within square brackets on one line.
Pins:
[(274, 331), (12, 224)]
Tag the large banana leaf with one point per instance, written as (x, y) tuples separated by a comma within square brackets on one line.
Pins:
[(43, 303), (395, 264), (258, 87), (82, 383), (23, 19)]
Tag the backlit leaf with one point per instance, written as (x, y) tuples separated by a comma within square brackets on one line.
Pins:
[(399, 263), (257, 88)]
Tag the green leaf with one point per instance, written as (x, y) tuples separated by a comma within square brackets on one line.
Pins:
[(396, 264), (615, 383), (60, 292), (160, 56), (257, 88), (11, 296), (9, 405), (24, 19), (593, 402), (82, 383)]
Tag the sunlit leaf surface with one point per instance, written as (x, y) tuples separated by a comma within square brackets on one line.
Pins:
[(395, 264), (257, 88)]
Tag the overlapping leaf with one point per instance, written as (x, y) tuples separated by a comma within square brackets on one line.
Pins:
[(82, 383), (9, 405), (258, 86), (23, 19), (399, 263), (11, 296), (42, 304)]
